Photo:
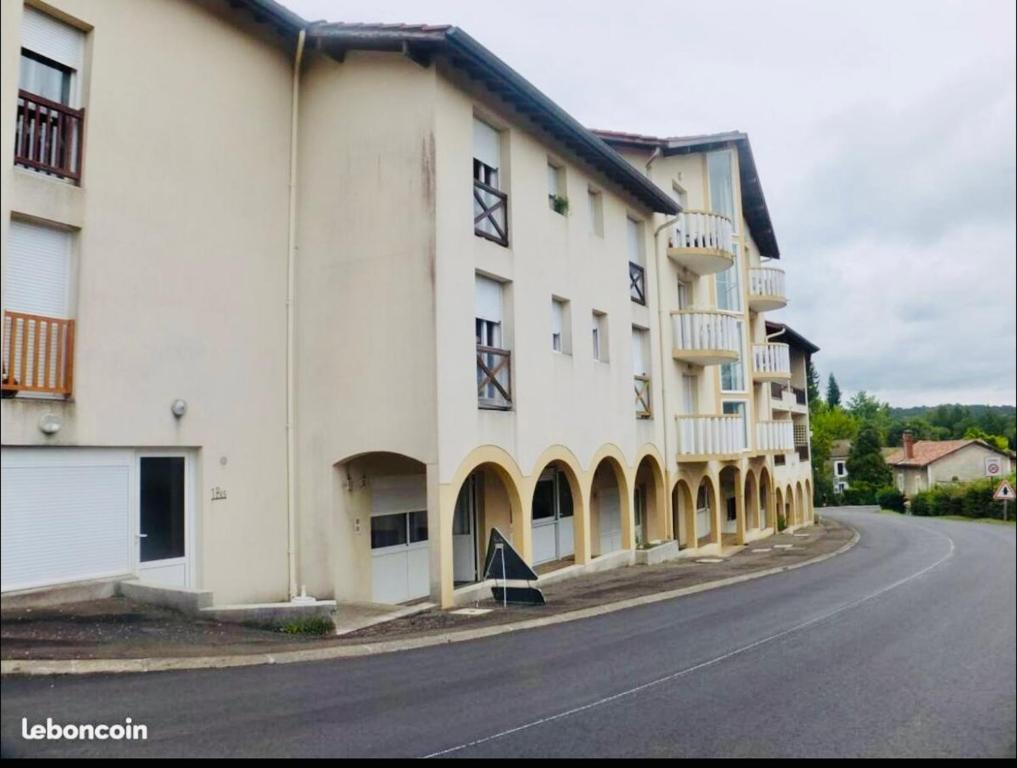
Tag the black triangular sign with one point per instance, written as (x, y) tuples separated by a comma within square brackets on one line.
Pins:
[(515, 568)]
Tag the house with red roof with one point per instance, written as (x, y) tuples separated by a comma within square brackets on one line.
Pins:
[(922, 464)]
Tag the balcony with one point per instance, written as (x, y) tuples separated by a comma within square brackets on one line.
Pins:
[(642, 386), (38, 355), (775, 436), (494, 378), (48, 136), (766, 289), (701, 438), (702, 242), (704, 338), (771, 362), (490, 213), (637, 283)]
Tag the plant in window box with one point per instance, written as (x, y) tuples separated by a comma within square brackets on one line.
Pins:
[(560, 204)]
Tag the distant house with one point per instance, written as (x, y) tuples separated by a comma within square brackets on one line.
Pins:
[(923, 464), (839, 452)]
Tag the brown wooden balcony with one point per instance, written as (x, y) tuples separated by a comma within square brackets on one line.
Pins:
[(490, 213), (38, 354), (494, 378), (48, 136), (642, 386)]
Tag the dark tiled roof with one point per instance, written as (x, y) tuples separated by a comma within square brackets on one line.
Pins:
[(791, 336)]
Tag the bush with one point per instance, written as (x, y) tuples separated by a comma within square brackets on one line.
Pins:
[(781, 521), (973, 499), (890, 498), (859, 494)]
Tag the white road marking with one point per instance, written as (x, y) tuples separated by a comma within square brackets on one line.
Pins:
[(689, 670)]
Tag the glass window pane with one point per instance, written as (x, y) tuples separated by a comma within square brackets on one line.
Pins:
[(564, 497), (162, 507), (388, 530), (543, 500), (44, 78), (418, 526), (721, 184)]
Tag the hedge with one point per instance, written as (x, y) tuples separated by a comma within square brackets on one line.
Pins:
[(973, 499)]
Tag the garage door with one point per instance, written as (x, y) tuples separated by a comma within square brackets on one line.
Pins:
[(400, 557), (66, 515)]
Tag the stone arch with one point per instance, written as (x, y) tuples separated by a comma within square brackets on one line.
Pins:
[(650, 498), (751, 502), (706, 510), (559, 508), (683, 511), (799, 504), (767, 518), (610, 495)]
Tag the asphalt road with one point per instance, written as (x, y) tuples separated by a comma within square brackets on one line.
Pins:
[(903, 646)]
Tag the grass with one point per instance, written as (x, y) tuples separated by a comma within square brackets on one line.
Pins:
[(312, 625)]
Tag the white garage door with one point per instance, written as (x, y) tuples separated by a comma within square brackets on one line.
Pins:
[(400, 557), (66, 515)]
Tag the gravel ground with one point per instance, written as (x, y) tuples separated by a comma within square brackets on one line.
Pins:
[(121, 628)]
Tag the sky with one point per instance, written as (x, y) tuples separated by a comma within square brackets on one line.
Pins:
[(883, 132)]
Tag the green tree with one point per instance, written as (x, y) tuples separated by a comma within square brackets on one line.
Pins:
[(977, 433), (832, 392), (868, 410), (812, 385), (866, 466)]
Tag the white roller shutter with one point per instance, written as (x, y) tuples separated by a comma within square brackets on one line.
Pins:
[(488, 299), (398, 493), (66, 515), (639, 366), (38, 270), (486, 144), (53, 39), (633, 233)]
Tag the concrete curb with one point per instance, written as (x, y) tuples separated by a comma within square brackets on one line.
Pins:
[(36, 667)]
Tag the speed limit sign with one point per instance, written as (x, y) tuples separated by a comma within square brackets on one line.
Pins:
[(993, 466)]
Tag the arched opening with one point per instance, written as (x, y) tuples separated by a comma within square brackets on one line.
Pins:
[(730, 488), (606, 496), (778, 507), (683, 511), (810, 503), (706, 503), (385, 496), (556, 499), (649, 503), (751, 501), (789, 505), (485, 500), (765, 516)]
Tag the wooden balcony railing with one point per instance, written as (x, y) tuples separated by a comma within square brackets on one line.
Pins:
[(494, 378), (642, 385), (637, 283), (48, 136), (490, 213), (775, 436), (704, 436), (771, 361), (38, 354)]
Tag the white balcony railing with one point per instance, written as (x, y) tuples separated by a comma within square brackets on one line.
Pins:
[(697, 331), (771, 361), (775, 436), (711, 435), (766, 281), (703, 230)]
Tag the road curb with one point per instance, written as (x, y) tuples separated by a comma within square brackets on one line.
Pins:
[(39, 667)]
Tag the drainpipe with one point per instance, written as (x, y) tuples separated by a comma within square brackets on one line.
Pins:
[(662, 317), (291, 254)]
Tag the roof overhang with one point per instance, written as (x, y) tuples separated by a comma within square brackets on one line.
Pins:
[(790, 336), (754, 207), (423, 43)]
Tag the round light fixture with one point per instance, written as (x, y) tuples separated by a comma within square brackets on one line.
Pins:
[(50, 424), (179, 408)]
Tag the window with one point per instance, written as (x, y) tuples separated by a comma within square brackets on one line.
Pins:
[(600, 341), (684, 295), (729, 291), (490, 203), (595, 203), (399, 529), (557, 200), (45, 77), (737, 408), (732, 375), (641, 371), (721, 179), (561, 340), (637, 261), (840, 469), (494, 377)]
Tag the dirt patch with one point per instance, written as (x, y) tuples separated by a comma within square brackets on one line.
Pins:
[(118, 628)]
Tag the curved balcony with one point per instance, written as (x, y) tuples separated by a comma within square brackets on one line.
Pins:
[(704, 338), (702, 242), (775, 436), (771, 362), (701, 438), (766, 289)]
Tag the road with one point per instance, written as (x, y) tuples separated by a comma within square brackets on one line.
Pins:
[(903, 646)]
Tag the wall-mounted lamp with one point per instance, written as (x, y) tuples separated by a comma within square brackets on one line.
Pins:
[(179, 408), (50, 424)]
